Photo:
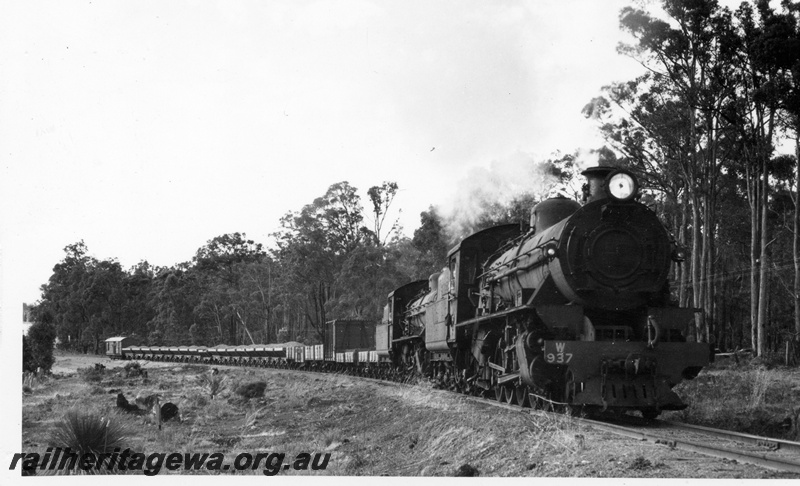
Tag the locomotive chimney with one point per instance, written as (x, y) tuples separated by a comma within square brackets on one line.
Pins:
[(596, 177)]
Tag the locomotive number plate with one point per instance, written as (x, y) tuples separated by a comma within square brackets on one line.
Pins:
[(560, 356)]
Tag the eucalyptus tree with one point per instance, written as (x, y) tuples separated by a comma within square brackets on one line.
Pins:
[(61, 301), (312, 246), (790, 61), (382, 197), (174, 294), (224, 270), (672, 121)]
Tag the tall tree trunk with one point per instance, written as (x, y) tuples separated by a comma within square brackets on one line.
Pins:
[(762, 291), (755, 205), (696, 267), (796, 245), (709, 225), (684, 281), (709, 281)]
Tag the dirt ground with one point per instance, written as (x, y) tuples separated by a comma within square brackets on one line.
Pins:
[(368, 428)]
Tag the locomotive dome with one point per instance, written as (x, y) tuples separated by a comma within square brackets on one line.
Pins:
[(551, 211)]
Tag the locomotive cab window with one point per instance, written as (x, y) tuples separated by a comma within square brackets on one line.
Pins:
[(453, 274)]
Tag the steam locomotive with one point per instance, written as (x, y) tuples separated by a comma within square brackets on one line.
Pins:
[(575, 312)]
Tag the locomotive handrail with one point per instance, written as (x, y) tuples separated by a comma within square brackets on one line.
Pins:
[(517, 258), (652, 323), (509, 262), (542, 260)]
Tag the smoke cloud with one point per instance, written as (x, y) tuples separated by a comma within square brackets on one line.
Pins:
[(505, 180)]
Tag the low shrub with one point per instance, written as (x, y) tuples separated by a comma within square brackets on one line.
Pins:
[(134, 369), (195, 400), (254, 389), (29, 380), (92, 374)]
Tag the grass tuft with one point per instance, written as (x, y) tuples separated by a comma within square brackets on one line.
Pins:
[(761, 381), (212, 384), (640, 463), (88, 433)]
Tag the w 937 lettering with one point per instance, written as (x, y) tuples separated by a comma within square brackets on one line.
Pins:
[(559, 357), (576, 309)]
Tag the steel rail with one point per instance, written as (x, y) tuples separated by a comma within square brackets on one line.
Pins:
[(768, 442), (709, 450)]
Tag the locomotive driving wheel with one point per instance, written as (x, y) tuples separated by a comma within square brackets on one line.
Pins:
[(498, 361), (466, 383), (499, 393), (510, 394), (522, 397)]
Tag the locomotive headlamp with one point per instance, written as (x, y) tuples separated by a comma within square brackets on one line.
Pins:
[(621, 185)]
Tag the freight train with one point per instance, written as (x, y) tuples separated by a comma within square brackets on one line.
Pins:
[(573, 312)]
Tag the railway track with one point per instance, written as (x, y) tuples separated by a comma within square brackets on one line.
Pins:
[(767, 452), (770, 453), (767, 442)]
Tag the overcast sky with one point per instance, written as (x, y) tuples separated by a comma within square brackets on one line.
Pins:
[(146, 128)]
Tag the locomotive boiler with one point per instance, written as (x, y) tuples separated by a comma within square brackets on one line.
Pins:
[(575, 311)]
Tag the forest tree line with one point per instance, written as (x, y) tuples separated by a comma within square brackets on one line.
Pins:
[(702, 129), (720, 93)]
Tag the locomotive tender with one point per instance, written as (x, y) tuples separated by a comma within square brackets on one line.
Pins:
[(573, 312)]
